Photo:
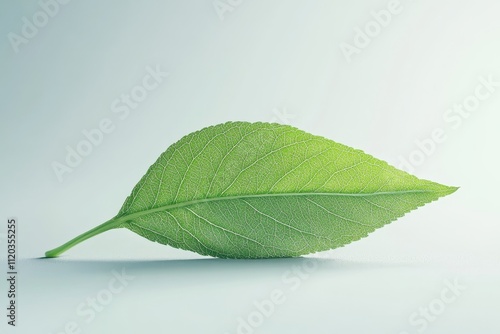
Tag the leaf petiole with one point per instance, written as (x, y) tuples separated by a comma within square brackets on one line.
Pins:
[(106, 226)]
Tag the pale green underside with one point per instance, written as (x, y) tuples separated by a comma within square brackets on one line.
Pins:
[(258, 190)]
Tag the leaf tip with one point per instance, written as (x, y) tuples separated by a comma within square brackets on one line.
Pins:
[(450, 190)]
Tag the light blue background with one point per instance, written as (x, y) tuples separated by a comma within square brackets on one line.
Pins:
[(265, 59)]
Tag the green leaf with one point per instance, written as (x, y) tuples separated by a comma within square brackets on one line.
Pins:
[(259, 190)]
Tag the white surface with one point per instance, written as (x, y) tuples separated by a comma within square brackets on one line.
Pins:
[(264, 60)]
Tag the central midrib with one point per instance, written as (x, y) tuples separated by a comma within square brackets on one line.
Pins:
[(228, 198)]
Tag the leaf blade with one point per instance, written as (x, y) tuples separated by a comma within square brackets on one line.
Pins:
[(301, 174)]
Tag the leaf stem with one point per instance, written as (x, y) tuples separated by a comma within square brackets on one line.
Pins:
[(109, 225)]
